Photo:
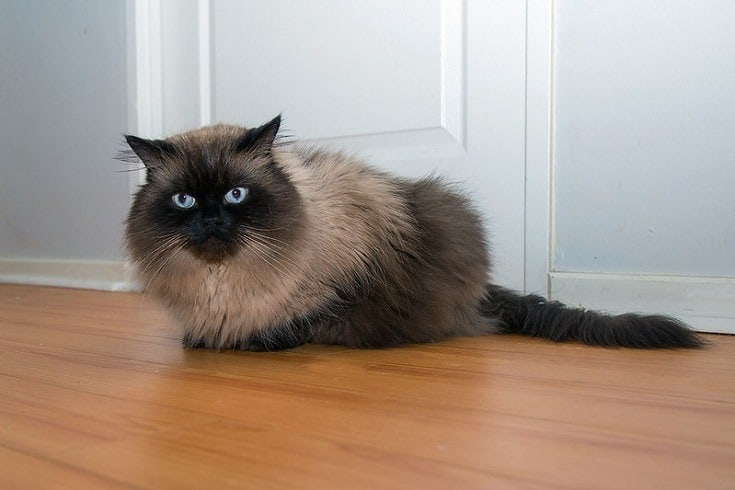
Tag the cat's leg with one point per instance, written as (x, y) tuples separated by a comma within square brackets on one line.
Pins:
[(276, 338), (191, 342), (271, 339)]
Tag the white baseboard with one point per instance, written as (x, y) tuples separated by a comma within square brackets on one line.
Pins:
[(705, 303), (103, 275)]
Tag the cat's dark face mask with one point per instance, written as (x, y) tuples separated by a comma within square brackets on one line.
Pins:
[(216, 201), (217, 212), (214, 221)]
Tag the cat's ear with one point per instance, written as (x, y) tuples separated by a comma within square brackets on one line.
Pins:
[(150, 152), (260, 139)]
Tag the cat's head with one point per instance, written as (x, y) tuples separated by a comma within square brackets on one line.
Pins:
[(211, 192)]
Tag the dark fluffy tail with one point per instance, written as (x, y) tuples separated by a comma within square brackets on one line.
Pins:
[(535, 316)]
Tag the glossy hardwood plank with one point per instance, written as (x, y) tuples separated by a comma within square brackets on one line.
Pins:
[(95, 391), (21, 470)]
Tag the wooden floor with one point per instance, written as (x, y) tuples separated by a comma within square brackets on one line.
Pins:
[(96, 392)]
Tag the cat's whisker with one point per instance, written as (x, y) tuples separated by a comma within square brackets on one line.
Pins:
[(266, 230), (162, 254), (274, 245), (262, 252), (275, 252), (130, 170), (283, 262), (169, 257), (271, 252), (165, 243)]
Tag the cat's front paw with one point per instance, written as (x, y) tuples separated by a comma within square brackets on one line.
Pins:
[(191, 342), (267, 340), (267, 344), (274, 339)]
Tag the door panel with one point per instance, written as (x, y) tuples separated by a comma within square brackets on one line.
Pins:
[(334, 68)]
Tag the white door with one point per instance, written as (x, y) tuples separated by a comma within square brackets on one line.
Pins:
[(468, 89), (413, 86)]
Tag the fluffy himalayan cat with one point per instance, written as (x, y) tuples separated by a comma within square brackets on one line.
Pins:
[(257, 245)]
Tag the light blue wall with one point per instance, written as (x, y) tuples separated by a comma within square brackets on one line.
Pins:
[(63, 110), (645, 137)]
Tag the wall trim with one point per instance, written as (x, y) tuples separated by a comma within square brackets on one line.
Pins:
[(706, 303), (204, 34), (145, 78), (538, 145), (453, 65), (82, 274)]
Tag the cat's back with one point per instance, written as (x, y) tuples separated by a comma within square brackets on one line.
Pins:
[(431, 205), (343, 193), (377, 208), (339, 172)]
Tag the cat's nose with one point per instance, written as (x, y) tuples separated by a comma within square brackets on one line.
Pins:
[(211, 216), (212, 221), (214, 225)]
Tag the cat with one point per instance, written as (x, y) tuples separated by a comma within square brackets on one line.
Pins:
[(257, 245)]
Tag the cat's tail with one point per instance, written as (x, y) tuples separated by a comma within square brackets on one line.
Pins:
[(535, 316)]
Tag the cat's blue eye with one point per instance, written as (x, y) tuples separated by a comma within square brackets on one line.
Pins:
[(183, 200), (236, 195)]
